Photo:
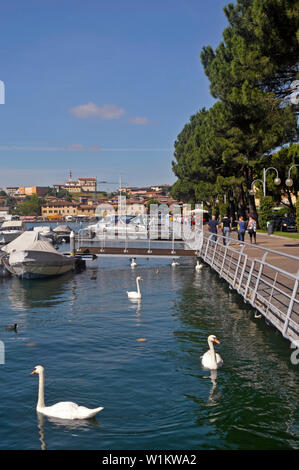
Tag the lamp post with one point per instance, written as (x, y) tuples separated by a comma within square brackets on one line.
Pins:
[(289, 182), (277, 180)]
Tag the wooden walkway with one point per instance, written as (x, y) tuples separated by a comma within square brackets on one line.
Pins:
[(135, 252)]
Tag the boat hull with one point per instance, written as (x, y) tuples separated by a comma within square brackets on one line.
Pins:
[(7, 237), (35, 265)]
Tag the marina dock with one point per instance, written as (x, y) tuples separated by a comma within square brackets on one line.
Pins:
[(266, 275)]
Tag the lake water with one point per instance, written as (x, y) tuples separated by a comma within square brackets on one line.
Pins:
[(155, 393)]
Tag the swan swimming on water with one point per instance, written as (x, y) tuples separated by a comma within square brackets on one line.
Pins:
[(198, 265), (134, 294), (133, 264), (63, 409), (211, 359)]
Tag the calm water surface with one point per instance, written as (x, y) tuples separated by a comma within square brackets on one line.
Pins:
[(155, 393)]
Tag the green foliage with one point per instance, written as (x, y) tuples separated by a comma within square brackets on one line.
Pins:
[(265, 212), (223, 149), (223, 209), (150, 202), (32, 206), (64, 194)]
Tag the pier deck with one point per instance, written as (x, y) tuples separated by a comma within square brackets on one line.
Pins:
[(266, 275), (131, 252)]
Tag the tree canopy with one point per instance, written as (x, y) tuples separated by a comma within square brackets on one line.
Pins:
[(221, 151)]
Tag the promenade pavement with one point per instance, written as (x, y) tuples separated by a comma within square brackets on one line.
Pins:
[(284, 245)]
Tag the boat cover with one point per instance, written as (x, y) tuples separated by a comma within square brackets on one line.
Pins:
[(62, 228), (30, 240)]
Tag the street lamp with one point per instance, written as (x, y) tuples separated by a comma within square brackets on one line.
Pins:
[(277, 180), (289, 181)]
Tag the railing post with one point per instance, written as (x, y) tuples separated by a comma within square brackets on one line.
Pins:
[(215, 247), (149, 245), (224, 259), (207, 247), (242, 273), (238, 264), (172, 243), (272, 290), (290, 308), (258, 276), (249, 279)]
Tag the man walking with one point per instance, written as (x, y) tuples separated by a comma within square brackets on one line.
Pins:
[(226, 228), (213, 224)]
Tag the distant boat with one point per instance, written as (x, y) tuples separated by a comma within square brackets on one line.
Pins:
[(62, 232), (10, 230), (31, 256), (118, 225)]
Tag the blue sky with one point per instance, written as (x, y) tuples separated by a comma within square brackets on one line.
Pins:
[(100, 88)]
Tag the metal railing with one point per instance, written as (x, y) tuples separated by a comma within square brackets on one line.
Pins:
[(269, 289)]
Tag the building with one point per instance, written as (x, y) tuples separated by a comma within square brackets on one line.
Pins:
[(58, 208), (135, 207), (12, 190), (88, 184), (87, 210), (81, 185), (39, 191)]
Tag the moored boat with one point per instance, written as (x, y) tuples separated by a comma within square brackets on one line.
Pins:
[(31, 256), (10, 230)]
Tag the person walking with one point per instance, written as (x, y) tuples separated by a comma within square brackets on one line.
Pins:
[(251, 228), (241, 228), (226, 228), (213, 227)]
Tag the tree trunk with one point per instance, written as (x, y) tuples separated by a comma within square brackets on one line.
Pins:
[(241, 202), (251, 199)]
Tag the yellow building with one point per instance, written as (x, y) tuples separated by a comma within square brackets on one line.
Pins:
[(30, 190), (86, 209), (58, 208)]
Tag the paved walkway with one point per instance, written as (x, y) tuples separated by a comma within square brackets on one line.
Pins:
[(285, 245)]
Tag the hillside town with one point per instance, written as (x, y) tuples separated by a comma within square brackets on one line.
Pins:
[(76, 198)]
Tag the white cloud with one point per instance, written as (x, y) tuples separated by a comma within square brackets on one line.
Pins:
[(107, 111), (139, 120)]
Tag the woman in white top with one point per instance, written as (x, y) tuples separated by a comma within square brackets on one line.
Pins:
[(251, 227)]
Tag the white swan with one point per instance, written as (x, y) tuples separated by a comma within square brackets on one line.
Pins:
[(198, 266), (211, 359), (63, 409), (174, 263), (133, 264), (134, 294)]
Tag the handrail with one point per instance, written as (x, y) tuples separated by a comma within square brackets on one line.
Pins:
[(272, 291), (229, 240)]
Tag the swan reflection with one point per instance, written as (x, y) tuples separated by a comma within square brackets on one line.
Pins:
[(40, 424), (213, 396), (136, 305), (78, 424)]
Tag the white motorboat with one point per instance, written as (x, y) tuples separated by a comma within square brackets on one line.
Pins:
[(32, 256), (118, 226), (10, 230)]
